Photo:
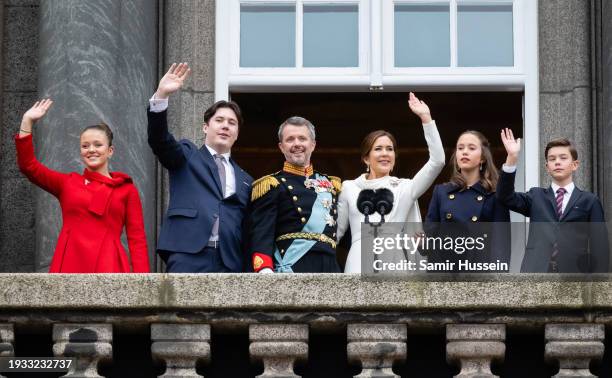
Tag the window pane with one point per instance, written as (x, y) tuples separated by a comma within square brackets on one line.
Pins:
[(331, 36), (484, 35), (422, 35), (267, 36)]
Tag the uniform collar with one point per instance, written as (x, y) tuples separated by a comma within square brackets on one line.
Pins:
[(297, 170)]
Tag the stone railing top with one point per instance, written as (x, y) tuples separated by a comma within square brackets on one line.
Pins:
[(292, 292)]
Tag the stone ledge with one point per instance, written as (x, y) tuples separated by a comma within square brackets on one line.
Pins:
[(292, 292)]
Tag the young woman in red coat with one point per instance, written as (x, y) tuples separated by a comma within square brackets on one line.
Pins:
[(95, 205)]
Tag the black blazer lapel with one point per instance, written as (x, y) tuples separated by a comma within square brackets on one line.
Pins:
[(576, 193), (212, 167)]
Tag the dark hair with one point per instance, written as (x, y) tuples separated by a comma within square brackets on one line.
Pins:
[(368, 142), (210, 112), (101, 127), (561, 142), (488, 172)]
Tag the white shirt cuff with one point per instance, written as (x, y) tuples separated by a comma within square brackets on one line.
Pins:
[(158, 105), (509, 168)]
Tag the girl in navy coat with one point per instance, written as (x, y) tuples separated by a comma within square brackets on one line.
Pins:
[(469, 197)]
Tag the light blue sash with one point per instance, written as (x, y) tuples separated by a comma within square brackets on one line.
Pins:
[(298, 247)]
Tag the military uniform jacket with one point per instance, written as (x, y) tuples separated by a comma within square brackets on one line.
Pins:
[(282, 204)]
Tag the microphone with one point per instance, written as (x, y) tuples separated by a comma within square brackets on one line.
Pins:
[(365, 203), (383, 202)]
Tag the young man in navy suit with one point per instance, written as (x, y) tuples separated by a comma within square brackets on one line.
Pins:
[(209, 193), (567, 232)]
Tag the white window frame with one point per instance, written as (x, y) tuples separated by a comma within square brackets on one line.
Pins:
[(291, 76), (375, 71), (510, 76)]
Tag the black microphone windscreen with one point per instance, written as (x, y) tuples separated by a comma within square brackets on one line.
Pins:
[(365, 201), (384, 201)]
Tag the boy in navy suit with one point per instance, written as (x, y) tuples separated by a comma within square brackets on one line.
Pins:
[(567, 232)]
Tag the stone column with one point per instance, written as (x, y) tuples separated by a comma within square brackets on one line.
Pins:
[(7, 338), (88, 343), (279, 347), (98, 63), (574, 346), (180, 346), (189, 27), (606, 100), (474, 346), (565, 81), (376, 347)]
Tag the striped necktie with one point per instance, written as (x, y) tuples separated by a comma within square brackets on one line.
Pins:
[(555, 252)]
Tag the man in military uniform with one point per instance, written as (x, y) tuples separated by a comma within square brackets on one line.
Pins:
[(294, 211)]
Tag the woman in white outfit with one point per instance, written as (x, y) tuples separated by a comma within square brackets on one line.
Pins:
[(378, 152)]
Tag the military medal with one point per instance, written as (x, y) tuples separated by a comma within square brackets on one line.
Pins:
[(319, 185)]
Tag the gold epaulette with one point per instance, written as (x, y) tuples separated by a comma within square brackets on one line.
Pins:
[(262, 186), (336, 182)]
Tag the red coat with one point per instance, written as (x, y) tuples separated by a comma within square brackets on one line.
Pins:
[(94, 210)]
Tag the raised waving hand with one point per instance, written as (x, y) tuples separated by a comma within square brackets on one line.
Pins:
[(173, 80), (419, 108), (35, 113), (513, 146)]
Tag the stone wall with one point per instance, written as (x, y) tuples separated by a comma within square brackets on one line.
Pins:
[(19, 76), (606, 106)]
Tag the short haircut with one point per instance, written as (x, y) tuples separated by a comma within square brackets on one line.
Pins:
[(210, 112), (561, 142), (101, 127), (297, 121)]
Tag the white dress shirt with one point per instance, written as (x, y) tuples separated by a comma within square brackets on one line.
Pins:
[(569, 188)]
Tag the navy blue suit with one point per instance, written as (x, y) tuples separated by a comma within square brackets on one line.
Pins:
[(580, 234), (471, 210), (196, 200)]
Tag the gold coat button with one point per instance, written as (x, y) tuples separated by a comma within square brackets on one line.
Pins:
[(294, 198), (283, 179), (449, 215), (303, 220), (451, 196), (299, 209), (474, 218), (479, 198), (290, 187)]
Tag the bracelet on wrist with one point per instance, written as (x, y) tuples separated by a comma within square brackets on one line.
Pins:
[(25, 131)]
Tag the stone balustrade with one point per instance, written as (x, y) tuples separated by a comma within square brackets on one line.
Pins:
[(184, 316)]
